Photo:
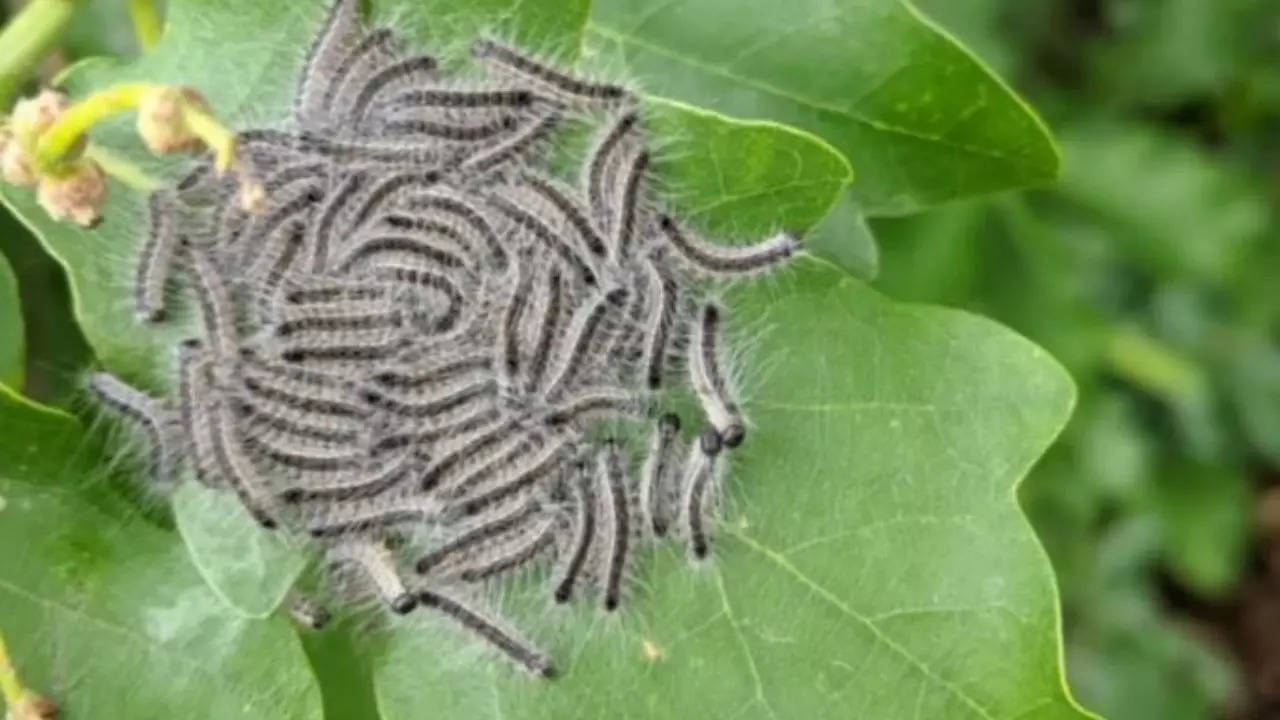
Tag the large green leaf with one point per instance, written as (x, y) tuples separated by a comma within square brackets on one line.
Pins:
[(875, 563), (13, 344), (106, 615), (920, 118)]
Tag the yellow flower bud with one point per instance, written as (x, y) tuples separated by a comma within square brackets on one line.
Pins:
[(161, 124), (77, 194)]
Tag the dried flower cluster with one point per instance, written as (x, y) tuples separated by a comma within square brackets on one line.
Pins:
[(77, 189)]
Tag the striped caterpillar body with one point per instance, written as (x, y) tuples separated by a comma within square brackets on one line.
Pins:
[(424, 334)]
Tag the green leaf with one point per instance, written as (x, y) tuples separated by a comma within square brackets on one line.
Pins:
[(922, 121), (981, 25), (1253, 380), (876, 563), (40, 442), (875, 566), (55, 348), (553, 27), (249, 567), (1181, 50), (845, 238), (1207, 518), (106, 616), (734, 175), (1176, 210), (13, 343), (1128, 658), (100, 27)]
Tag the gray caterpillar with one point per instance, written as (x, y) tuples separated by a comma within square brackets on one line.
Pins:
[(414, 351)]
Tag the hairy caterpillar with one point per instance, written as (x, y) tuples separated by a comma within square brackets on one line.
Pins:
[(426, 333)]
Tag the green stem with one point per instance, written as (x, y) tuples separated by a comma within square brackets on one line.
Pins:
[(27, 39), (213, 133), (58, 141), (146, 22), (61, 140)]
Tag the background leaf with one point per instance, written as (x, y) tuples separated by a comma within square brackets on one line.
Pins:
[(1205, 520), (13, 341), (104, 613), (920, 119), (55, 349), (1161, 232), (1167, 205)]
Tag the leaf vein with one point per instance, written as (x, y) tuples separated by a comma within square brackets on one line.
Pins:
[(746, 648), (861, 619)]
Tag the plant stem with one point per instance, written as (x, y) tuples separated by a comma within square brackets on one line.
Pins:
[(27, 39), (214, 134), (60, 139), (146, 22)]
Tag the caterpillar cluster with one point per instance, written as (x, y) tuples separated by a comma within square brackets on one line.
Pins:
[(419, 344)]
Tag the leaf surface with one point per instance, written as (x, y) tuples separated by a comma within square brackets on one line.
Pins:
[(874, 563), (13, 343), (921, 119), (104, 613), (251, 568)]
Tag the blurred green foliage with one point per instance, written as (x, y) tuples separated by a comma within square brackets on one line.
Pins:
[(1149, 270)]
